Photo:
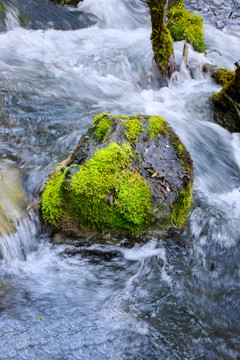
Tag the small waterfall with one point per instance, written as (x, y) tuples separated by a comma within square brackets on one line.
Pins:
[(23, 240), (12, 14), (18, 228)]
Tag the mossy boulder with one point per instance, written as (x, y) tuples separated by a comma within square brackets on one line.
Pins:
[(227, 101), (127, 174)]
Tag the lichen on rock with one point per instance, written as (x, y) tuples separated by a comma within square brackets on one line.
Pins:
[(127, 174)]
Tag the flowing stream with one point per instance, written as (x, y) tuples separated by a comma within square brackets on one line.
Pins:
[(171, 297)]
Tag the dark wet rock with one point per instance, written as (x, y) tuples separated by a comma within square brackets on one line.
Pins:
[(66, 2), (32, 15), (128, 174)]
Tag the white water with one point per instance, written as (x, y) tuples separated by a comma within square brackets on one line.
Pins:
[(157, 299)]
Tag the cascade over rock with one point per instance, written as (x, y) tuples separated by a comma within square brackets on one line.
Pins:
[(127, 174)]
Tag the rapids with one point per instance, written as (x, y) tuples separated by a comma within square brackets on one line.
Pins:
[(174, 297)]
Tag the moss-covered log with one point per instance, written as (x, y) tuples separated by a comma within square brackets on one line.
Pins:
[(127, 174)]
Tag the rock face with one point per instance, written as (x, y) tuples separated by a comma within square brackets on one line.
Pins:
[(227, 101), (126, 174)]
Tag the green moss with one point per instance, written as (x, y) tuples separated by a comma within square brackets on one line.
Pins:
[(181, 207), (182, 153), (162, 47), (184, 25), (162, 41), (104, 193), (99, 117), (222, 76), (52, 198), (103, 125), (230, 89), (157, 126), (133, 126), (2, 12), (111, 196), (24, 19)]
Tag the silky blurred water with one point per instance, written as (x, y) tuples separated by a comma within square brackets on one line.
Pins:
[(169, 297)]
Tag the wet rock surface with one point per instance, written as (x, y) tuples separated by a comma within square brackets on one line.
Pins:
[(31, 14), (156, 156)]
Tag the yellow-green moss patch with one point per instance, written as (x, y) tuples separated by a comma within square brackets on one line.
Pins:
[(181, 207), (184, 25), (104, 193), (111, 195), (52, 198), (222, 76), (162, 41), (157, 126), (103, 124)]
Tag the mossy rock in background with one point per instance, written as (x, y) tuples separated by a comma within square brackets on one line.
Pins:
[(184, 25), (180, 24), (227, 101), (127, 174)]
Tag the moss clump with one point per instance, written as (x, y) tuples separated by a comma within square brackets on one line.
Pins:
[(133, 125), (222, 76), (157, 126), (111, 195), (103, 124), (184, 25), (181, 207), (104, 193), (52, 198), (229, 96)]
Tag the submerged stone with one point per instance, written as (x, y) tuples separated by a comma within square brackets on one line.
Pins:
[(127, 174)]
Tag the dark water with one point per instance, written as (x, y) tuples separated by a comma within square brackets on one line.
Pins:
[(171, 297)]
